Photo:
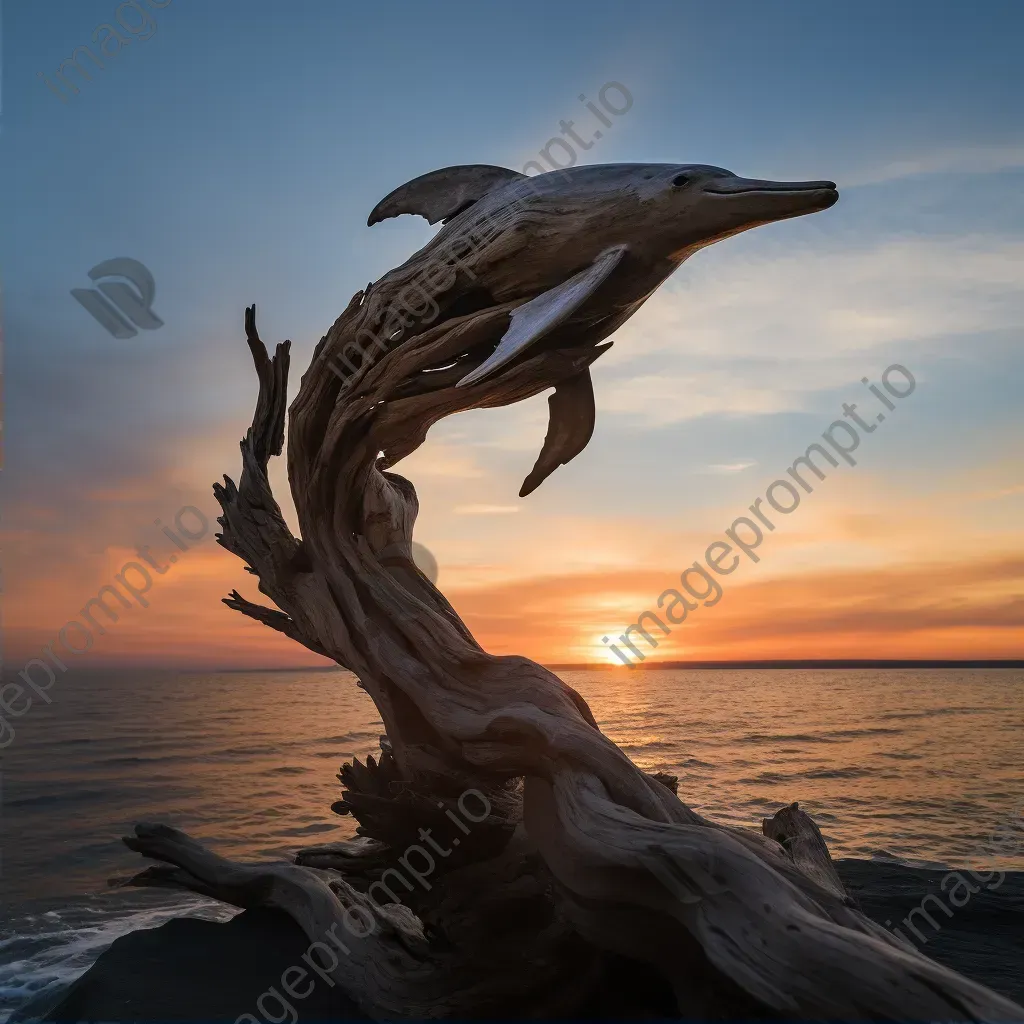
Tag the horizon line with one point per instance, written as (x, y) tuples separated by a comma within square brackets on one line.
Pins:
[(804, 663), (749, 663)]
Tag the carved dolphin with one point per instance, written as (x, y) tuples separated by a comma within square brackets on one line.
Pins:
[(583, 248)]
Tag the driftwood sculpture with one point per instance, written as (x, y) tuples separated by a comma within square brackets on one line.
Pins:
[(573, 883)]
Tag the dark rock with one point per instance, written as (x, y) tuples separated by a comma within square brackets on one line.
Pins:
[(983, 939), (195, 970)]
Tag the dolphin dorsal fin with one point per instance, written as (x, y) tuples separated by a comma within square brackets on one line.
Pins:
[(441, 194)]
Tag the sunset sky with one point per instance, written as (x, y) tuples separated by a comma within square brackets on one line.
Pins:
[(237, 153)]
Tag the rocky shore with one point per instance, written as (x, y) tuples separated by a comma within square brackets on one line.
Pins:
[(194, 970)]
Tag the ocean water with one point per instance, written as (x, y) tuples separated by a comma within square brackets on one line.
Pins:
[(921, 766)]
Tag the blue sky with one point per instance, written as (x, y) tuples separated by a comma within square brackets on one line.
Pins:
[(237, 151)]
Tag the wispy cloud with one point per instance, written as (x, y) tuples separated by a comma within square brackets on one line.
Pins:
[(727, 468), (984, 159), (1004, 492), (485, 510), (755, 334)]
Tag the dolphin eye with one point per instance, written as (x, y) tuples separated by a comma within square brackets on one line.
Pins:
[(681, 180)]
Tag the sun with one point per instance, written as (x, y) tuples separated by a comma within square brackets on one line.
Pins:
[(605, 647)]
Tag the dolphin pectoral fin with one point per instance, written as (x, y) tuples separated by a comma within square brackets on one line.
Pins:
[(535, 318), (442, 194), (570, 427)]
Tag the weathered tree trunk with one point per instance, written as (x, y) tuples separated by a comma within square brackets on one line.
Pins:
[(583, 855)]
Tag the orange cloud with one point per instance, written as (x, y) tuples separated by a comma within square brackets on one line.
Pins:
[(930, 610), (551, 586), (967, 609)]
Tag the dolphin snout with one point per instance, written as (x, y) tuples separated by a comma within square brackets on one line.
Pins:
[(825, 191)]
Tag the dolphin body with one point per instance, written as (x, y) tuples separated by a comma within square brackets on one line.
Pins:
[(581, 249)]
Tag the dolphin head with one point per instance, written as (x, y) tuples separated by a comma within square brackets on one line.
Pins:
[(701, 204), (668, 211)]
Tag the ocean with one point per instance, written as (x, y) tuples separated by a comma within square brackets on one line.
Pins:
[(918, 766)]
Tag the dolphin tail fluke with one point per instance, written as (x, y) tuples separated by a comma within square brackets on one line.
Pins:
[(570, 427), (532, 320), (442, 194)]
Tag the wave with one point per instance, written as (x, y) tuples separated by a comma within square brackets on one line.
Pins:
[(46, 951)]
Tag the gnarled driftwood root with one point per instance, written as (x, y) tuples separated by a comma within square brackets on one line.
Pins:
[(588, 855)]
